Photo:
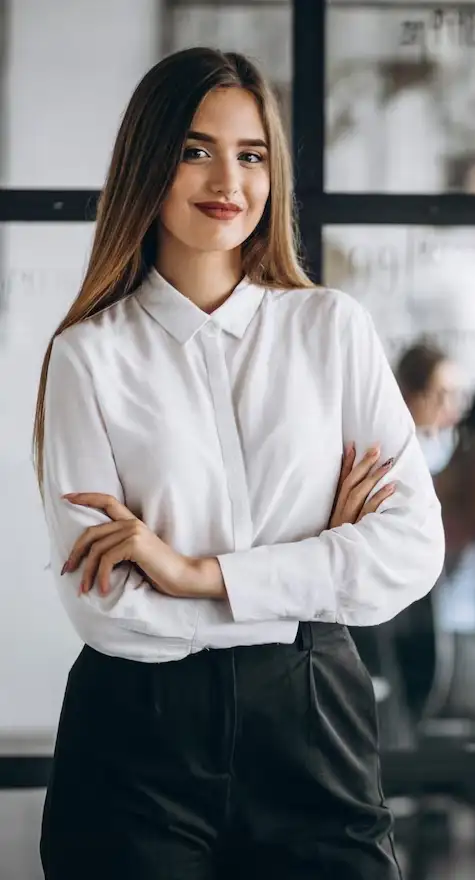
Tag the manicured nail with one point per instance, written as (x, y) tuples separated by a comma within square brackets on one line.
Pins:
[(64, 568), (70, 495), (388, 463), (391, 487), (374, 451)]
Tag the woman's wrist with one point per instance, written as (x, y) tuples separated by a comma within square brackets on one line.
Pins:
[(203, 578)]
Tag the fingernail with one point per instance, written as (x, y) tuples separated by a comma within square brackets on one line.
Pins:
[(64, 568), (388, 463), (373, 451), (349, 448)]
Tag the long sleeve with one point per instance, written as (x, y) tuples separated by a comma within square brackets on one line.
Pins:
[(361, 574), (78, 458)]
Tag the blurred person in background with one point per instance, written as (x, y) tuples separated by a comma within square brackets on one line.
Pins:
[(209, 546), (402, 651), (436, 636), (454, 598), (433, 388)]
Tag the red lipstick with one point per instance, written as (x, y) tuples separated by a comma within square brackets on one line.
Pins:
[(219, 210)]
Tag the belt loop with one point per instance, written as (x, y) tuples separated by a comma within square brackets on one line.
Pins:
[(305, 636)]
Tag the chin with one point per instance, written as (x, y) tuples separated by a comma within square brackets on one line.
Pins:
[(216, 243)]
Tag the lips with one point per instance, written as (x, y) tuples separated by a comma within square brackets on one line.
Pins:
[(219, 210)]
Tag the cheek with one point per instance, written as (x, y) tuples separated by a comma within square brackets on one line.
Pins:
[(174, 215), (176, 202), (258, 192), (170, 210)]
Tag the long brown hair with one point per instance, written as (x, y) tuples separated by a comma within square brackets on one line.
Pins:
[(144, 162)]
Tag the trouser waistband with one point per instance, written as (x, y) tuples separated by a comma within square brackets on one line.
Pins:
[(308, 633)]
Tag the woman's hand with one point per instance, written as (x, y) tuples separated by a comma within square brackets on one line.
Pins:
[(125, 539), (356, 483)]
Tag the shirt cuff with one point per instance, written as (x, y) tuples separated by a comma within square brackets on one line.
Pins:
[(280, 582)]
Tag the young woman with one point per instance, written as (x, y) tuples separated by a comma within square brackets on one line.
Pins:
[(191, 419)]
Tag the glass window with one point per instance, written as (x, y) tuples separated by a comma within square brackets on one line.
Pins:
[(69, 70), (42, 267), (414, 281), (262, 32), (420, 282), (400, 97)]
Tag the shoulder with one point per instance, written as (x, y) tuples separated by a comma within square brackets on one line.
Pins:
[(321, 305), (93, 337)]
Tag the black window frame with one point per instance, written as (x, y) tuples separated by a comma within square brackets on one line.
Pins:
[(318, 208)]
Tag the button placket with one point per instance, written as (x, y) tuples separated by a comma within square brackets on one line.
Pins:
[(233, 459)]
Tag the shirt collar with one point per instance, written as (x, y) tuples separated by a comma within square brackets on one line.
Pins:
[(183, 319)]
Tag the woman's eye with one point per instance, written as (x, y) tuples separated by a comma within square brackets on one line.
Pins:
[(194, 153), (191, 154), (252, 158)]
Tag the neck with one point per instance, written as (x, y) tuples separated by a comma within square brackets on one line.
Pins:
[(207, 278)]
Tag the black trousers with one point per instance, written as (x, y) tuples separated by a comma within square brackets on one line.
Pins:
[(253, 762)]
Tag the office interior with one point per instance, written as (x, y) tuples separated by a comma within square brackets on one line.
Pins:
[(378, 99)]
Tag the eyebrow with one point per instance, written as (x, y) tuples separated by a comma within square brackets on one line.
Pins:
[(209, 139)]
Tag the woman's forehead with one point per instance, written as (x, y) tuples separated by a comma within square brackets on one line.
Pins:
[(230, 112)]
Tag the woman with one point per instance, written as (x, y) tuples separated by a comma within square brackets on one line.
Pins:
[(198, 395), (433, 389)]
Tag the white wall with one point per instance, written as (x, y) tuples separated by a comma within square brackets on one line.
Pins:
[(71, 70)]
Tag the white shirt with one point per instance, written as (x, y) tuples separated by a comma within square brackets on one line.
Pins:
[(224, 434)]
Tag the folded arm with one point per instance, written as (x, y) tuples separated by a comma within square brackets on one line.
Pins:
[(78, 458), (360, 574)]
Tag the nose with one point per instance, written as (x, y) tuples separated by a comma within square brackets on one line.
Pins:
[(225, 180)]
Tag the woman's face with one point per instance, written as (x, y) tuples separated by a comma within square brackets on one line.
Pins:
[(440, 405), (223, 181)]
